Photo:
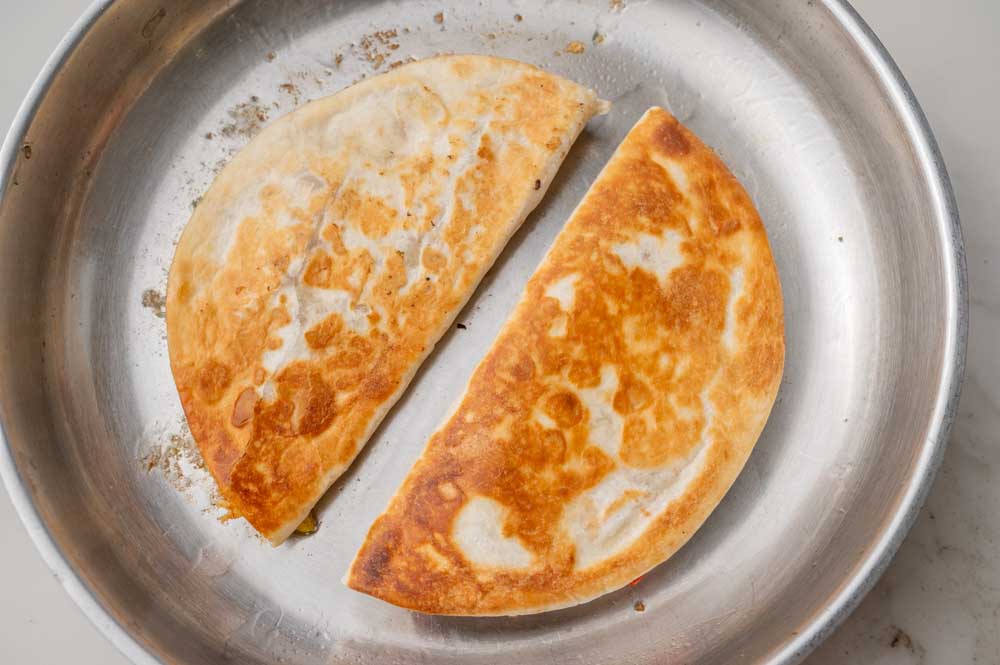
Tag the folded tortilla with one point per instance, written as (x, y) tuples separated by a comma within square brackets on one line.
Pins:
[(614, 410), (331, 254)]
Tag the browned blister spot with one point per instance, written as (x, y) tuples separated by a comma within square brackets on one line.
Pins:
[(564, 408), (213, 379), (669, 436), (325, 333), (554, 445), (671, 138), (632, 395), (694, 302), (433, 260), (318, 271), (332, 234), (372, 215), (184, 292)]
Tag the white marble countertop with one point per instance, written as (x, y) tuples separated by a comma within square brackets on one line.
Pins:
[(939, 602)]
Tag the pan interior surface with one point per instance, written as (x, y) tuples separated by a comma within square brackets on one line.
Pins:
[(153, 99)]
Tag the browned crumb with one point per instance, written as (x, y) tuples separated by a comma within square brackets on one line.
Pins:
[(26, 149), (153, 460), (154, 301), (575, 47), (639, 606), (616, 5), (518, 18), (210, 136), (271, 55), (290, 89), (168, 457), (439, 17), (247, 119), (598, 38), (376, 46), (339, 58), (400, 63)]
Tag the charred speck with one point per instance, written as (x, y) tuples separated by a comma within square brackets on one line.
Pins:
[(538, 184), (462, 326), (900, 638)]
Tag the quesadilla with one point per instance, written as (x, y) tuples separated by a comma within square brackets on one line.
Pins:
[(331, 254), (615, 408)]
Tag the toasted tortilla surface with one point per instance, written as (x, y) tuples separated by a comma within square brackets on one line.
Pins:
[(614, 410), (331, 254)]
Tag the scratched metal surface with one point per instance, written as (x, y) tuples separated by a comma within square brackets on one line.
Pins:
[(128, 125)]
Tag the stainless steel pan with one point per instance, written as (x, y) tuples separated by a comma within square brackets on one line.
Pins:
[(126, 127)]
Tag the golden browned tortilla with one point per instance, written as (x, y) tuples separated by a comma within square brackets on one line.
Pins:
[(333, 252), (614, 410)]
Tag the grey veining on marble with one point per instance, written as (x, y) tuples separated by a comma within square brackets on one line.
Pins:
[(939, 601)]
